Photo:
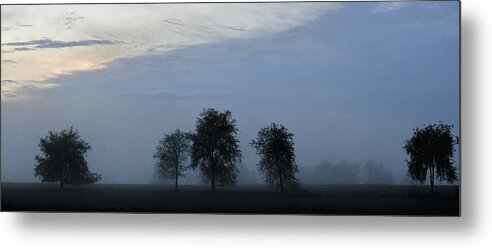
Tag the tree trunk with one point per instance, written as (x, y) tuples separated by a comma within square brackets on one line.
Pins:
[(212, 180), (176, 183), (280, 179), (281, 184), (61, 176), (176, 172), (431, 175)]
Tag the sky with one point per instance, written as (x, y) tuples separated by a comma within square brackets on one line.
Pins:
[(350, 80)]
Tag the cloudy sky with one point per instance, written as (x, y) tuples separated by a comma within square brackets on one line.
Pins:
[(350, 80)]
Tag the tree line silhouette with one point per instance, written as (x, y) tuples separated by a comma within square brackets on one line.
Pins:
[(344, 172), (213, 149)]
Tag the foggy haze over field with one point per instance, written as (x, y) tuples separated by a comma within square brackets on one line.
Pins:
[(349, 80)]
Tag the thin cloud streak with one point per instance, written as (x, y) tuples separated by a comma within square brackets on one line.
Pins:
[(48, 43)]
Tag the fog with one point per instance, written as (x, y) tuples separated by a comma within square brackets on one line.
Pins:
[(344, 172), (350, 85)]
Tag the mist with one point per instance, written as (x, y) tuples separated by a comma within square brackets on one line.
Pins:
[(350, 85)]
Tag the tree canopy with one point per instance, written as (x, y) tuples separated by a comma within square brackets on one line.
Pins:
[(171, 155), (431, 150), (275, 146), (215, 148), (63, 159)]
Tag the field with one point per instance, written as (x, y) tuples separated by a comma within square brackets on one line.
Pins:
[(322, 200)]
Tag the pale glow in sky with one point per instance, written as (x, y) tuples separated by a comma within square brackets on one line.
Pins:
[(40, 43)]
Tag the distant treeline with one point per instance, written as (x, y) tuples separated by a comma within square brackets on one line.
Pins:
[(345, 172)]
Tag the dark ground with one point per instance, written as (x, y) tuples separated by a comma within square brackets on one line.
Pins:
[(324, 200)]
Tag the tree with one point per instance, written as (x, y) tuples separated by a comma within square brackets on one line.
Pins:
[(431, 150), (172, 154), (64, 159), (275, 146), (215, 149)]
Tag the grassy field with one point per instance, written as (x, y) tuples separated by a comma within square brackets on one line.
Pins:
[(325, 200)]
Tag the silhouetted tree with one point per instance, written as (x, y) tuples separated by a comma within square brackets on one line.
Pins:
[(376, 173), (172, 154), (275, 146), (64, 159), (215, 148), (431, 150)]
